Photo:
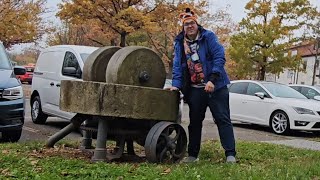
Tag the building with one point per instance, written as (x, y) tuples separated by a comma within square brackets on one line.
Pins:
[(308, 53)]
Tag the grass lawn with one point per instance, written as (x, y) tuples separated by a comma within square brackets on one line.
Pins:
[(255, 161)]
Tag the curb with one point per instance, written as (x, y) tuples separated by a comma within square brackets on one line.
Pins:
[(298, 143)]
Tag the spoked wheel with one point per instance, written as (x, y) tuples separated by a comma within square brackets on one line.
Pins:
[(165, 142), (279, 122)]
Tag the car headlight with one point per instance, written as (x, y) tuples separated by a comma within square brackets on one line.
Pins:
[(13, 93), (303, 110)]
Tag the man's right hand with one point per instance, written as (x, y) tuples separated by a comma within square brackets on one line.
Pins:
[(172, 88)]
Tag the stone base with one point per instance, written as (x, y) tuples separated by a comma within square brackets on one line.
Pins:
[(118, 100)]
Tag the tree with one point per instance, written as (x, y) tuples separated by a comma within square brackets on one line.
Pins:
[(117, 16), (266, 35), (312, 36), (20, 21), (28, 55), (88, 33)]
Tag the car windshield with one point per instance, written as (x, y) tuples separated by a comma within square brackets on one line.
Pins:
[(283, 91), (84, 56), (4, 61)]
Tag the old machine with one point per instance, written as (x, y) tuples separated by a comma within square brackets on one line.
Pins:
[(122, 90)]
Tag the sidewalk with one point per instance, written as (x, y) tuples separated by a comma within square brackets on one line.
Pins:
[(298, 143)]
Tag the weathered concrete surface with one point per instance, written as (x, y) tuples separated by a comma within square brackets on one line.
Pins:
[(118, 100), (95, 66), (126, 65)]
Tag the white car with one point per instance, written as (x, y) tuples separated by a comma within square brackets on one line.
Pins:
[(53, 65), (272, 104), (311, 92)]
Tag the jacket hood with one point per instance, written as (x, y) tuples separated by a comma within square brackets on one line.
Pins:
[(8, 79)]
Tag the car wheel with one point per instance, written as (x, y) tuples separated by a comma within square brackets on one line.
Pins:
[(11, 136), (279, 123), (37, 116)]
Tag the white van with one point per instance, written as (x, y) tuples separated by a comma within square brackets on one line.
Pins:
[(56, 63)]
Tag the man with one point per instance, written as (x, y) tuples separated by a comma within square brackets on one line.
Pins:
[(198, 71)]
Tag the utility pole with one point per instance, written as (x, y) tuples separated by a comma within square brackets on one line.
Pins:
[(317, 46), (316, 61)]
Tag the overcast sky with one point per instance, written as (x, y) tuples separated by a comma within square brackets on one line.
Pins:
[(236, 9)]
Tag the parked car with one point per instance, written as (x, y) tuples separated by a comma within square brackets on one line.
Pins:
[(27, 77), (11, 99), (273, 104), (53, 65), (310, 92)]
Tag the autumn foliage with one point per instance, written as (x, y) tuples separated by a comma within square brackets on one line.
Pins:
[(20, 21)]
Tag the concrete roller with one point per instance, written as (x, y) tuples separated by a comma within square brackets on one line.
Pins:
[(95, 66), (137, 66)]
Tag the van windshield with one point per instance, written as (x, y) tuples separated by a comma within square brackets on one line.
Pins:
[(4, 61), (84, 56)]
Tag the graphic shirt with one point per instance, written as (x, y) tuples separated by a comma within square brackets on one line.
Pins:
[(194, 63)]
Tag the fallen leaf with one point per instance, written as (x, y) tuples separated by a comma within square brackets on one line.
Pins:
[(167, 171), (34, 162), (5, 151)]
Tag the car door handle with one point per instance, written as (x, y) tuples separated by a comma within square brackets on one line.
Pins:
[(58, 85), (244, 102), (51, 84)]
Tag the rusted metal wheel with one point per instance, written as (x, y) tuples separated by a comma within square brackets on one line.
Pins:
[(166, 142), (137, 66), (95, 66)]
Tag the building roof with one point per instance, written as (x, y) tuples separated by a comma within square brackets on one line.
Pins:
[(306, 49)]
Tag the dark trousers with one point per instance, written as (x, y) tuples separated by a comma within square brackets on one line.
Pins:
[(218, 102)]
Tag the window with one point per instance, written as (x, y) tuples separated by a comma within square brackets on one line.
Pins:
[(70, 61), (304, 65), (239, 87), (297, 88), (290, 74), (309, 93), (254, 88)]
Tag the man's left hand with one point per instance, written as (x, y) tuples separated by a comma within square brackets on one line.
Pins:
[(209, 87)]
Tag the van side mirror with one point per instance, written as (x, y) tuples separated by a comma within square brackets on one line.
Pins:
[(260, 95), (71, 71), (19, 70)]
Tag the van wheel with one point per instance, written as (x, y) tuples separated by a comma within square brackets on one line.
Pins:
[(279, 123), (11, 136), (38, 117)]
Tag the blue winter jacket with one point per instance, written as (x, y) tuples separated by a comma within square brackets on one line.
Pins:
[(211, 54)]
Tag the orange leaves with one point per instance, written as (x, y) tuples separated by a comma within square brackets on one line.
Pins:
[(20, 21)]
